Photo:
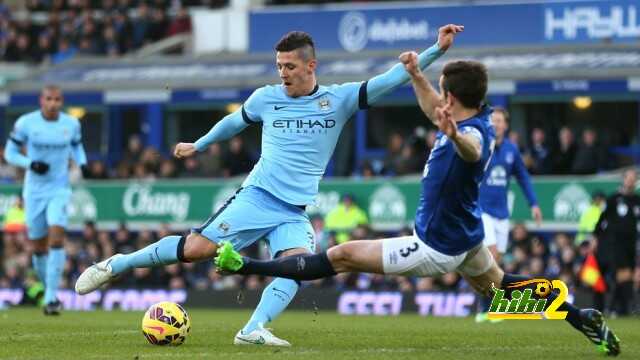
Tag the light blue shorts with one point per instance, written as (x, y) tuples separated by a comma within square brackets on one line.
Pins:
[(44, 211), (253, 214)]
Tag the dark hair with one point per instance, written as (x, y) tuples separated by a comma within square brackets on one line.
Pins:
[(503, 111), (297, 40), (467, 81), (51, 87)]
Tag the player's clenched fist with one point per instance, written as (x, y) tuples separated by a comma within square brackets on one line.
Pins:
[(184, 150), (410, 61), (446, 34)]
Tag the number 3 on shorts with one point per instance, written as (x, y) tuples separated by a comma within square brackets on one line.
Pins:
[(408, 250)]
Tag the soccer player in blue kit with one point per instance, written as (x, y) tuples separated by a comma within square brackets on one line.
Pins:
[(50, 138), (301, 122), (448, 230), (505, 162)]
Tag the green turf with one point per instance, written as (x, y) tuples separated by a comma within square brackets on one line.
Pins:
[(27, 334)]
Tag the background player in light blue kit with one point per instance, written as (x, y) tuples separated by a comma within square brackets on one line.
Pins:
[(301, 122), (505, 162), (50, 139), (448, 232)]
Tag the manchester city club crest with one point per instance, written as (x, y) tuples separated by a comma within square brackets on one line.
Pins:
[(324, 104), (224, 227)]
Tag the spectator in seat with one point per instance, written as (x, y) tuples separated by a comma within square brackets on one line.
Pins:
[(394, 154), (237, 160), (97, 171), (211, 161), (588, 156), (65, 51), (564, 156), (344, 218), (180, 24), (540, 152)]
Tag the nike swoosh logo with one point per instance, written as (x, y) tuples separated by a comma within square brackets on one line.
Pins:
[(158, 328), (258, 341), (276, 107)]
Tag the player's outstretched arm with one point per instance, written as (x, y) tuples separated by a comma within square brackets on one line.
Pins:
[(427, 96), (385, 83), (224, 129), (524, 179)]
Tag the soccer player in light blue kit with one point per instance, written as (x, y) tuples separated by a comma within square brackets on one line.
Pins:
[(505, 162), (301, 122), (448, 232), (50, 138)]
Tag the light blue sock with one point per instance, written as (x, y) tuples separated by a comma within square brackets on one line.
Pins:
[(275, 298), (39, 262), (162, 252), (55, 267)]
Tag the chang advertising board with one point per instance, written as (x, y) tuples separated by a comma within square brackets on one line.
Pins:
[(398, 26)]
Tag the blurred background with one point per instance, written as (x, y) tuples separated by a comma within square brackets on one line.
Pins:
[(144, 75)]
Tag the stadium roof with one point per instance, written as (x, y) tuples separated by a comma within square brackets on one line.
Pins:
[(250, 71)]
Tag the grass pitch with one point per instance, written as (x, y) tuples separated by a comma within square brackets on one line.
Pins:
[(27, 334)]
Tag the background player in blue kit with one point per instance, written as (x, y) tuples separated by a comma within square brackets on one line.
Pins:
[(505, 162), (50, 139), (301, 122), (448, 231)]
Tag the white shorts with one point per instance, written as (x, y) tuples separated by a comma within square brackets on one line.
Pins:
[(409, 256), (496, 232)]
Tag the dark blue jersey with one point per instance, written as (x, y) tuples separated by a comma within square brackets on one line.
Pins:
[(448, 218), (506, 161)]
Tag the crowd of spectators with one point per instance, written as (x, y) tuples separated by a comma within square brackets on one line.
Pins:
[(82, 27), (141, 162), (146, 163), (541, 154)]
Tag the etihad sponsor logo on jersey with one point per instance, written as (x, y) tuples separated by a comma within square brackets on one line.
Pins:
[(305, 126), (49, 146)]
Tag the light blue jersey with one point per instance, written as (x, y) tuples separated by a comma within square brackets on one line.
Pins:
[(298, 137), (53, 142), (299, 134)]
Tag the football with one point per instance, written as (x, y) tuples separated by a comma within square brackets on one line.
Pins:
[(166, 323)]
